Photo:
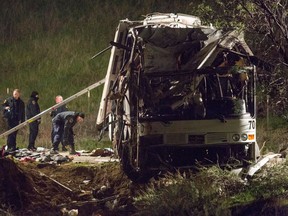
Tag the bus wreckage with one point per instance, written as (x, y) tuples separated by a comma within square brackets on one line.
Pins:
[(177, 95)]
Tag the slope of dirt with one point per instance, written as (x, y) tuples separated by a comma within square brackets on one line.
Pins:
[(30, 188)]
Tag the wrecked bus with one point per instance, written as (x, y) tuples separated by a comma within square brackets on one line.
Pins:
[(177, 95)]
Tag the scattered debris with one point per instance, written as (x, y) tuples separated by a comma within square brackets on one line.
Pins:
[(102, 152), (61, 189), (102, 192), (42, 174), (72, 212), (43, 155), (67, 189), (266, 158)]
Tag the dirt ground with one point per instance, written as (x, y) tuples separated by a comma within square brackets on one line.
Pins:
[(30, 188), (84, 186)]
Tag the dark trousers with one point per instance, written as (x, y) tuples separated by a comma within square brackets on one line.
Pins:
[(11, 139), (57, 135), (33, 132), (52, 137)]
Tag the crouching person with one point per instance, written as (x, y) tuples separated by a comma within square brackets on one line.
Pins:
[(62, 126)]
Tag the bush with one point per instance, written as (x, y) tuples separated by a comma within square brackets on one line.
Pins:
[(194, 194)]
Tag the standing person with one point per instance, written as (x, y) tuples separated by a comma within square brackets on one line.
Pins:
[(62, 126), (33, 109), (14, 113), (59, 99)]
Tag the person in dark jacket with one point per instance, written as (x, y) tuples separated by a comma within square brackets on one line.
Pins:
[(33, 109), (62, 126), (14, 113), (59, 99)]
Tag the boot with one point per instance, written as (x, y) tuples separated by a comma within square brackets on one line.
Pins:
[(64, 148), (54, 151), (72, 150), (31, 147)]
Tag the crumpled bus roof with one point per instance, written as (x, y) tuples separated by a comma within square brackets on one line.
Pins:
[(167, 36), (170, 43)]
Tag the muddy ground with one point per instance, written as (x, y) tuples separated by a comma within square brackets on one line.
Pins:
[(31, 188), (49, 189)]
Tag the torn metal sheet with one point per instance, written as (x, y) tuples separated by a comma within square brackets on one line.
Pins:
[(254, 168)]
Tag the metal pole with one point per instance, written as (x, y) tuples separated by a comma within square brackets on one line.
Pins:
[(97, 54), (95, 85)]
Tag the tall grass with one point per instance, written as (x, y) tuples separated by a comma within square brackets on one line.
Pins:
[(272, 135), (203, 193), (214, 191)]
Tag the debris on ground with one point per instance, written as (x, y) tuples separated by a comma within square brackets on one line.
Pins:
[(22, 192), (65, 188), (43, 155), (102, 152), (31, 182), (28, 188)]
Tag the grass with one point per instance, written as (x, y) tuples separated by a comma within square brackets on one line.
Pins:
[(192, 194), (272, 137), (214, 191), (47, 46)]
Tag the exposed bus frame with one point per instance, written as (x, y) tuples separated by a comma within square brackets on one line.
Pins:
[(148, 143)]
